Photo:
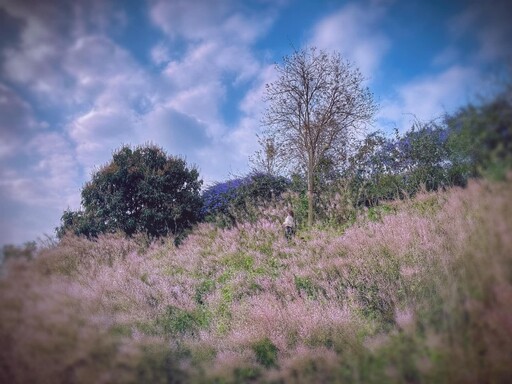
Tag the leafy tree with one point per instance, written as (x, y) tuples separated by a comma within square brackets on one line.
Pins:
[(261, 187), (315, 107), (386, 168), (81, 223), (140, 190), (480, 139), (422, 157), (370, 172), (10, 251)]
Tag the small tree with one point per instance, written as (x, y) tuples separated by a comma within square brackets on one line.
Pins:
[(315, 107), (140, 190), (268, 160)]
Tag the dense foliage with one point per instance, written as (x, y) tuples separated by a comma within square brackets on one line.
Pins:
[(141, 190), (481, 138), (475, 141), (386, 168), (236, 199)]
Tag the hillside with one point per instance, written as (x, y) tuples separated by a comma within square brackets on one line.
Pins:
[(420, 293)]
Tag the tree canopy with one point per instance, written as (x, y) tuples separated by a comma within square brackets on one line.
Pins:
[(139, 190), (481, 137)]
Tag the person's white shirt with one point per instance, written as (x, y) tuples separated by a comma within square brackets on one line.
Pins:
[(288, 222)]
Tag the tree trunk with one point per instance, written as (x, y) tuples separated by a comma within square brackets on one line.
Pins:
[(310, 197)]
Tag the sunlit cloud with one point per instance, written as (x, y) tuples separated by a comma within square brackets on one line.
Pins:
[(427, 98), (354, 32)]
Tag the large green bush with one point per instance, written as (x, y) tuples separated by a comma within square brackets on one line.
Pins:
[(141, 190)]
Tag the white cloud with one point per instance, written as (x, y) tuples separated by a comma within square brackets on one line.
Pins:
[(217, 56), (36, 189), (353, 31), (428, 97), (116, 94), (98, 132), (241, 142), (217, 38), (48, 29), (192, 19), (198, 81), (98, 67), (32, 60), (252, 104), (179, 133), (201, 101), (160, 54), (47, 177), (198, 20), (38, 173)]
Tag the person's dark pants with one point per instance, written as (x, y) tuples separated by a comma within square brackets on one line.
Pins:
[(288, 232)]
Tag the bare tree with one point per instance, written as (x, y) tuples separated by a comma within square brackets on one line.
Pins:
[(268, 159), (316, 106)]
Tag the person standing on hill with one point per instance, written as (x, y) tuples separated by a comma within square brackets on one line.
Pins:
[(289, 225)]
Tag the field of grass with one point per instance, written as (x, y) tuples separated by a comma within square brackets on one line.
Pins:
[(419, 291)]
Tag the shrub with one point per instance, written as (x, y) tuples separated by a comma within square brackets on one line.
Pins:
[(239, 199), (27, 251)]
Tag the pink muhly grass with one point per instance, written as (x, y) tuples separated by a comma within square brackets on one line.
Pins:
[(307, 365), (48, 316), (226, 362), (285, 323), (314, 298), (404, 318)]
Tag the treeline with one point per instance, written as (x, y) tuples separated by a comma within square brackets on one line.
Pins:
[(145, 191), (473, 142)]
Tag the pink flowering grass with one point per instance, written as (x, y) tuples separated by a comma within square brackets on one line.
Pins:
[(419, 293)]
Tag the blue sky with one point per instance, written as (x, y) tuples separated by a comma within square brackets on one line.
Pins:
[(78, 79)]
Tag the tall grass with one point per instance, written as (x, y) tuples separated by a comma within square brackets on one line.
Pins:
[(419, 293)]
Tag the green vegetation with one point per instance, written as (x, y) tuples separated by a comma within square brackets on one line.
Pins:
[(266, 352), (140, 190)]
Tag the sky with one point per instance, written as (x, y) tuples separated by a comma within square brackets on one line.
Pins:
[(79, 79)]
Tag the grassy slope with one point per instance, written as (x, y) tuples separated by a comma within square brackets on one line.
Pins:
[(421, 295)]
